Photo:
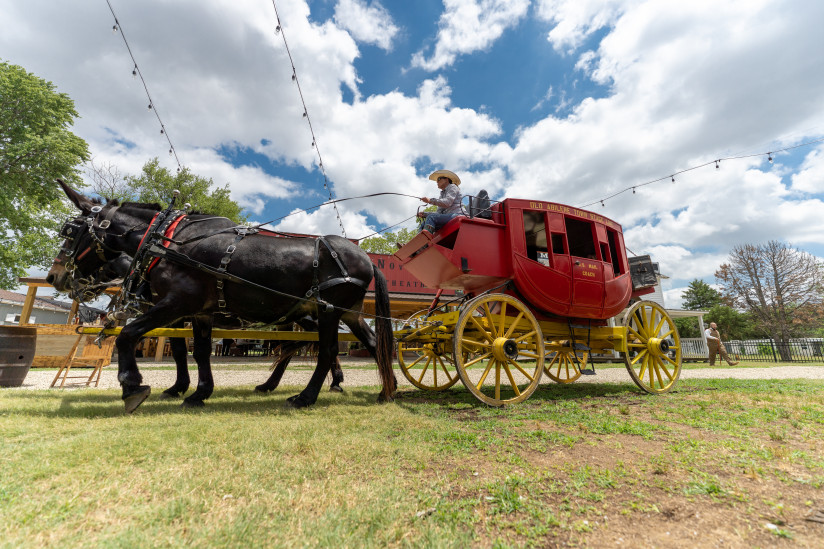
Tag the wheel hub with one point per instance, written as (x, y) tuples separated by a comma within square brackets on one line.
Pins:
[(658, 346), (504, 349)]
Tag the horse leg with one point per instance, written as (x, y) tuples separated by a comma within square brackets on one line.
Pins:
[(327, 351), (202, 353), (337, 373), (180, 356), (134, 392), (274, 380)]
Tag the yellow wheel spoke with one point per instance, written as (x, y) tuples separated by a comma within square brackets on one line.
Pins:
[(412, 364), (482, 329), (671, 361), (477, 359), (486, 373), (497, 380), (664, 367), (500, 330), (659, 326), (523, 337), (476, 343), (530, 355), (639, 356), (636, 334), (666, 335), (513, 325), (512, 379), (642, 345), (490, 320), (423, 372), (524, 372), (643, 367), (445, 370), (658, 367)]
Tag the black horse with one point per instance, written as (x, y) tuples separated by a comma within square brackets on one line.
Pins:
[(270, 279), (91, 276)]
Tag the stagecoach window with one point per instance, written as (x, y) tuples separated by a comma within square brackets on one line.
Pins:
[(612, 238), (558, 243), (535, 236), (580, 237)]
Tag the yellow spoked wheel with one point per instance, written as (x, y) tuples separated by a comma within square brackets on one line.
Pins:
[(428, 366), (564, 363), (654, 357), (496, 341)]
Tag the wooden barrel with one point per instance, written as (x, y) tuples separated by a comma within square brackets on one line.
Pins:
[(17, 345)]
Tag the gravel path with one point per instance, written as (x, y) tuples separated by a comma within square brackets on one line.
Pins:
[(358, 377)]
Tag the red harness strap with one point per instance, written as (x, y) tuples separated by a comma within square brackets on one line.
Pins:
[(170, 231)]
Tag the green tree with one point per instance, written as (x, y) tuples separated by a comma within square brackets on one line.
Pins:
[(36, 147), (700, 296), (387, 242), (732, 324), (155, 184)]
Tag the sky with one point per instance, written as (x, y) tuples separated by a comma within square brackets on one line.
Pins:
[(570, 101)]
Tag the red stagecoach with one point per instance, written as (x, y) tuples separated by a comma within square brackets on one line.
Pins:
[(541, 282)]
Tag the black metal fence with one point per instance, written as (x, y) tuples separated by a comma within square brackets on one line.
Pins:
[(768, 350)]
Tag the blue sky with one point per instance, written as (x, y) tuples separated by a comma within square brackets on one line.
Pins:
[(562, 100)]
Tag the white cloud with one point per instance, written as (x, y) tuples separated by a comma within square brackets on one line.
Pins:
[(575, 20), (810, 178), (367, 23), (467, 26)]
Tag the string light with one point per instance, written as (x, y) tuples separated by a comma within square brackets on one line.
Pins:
[(279, 30), (717, 165), (136, 72)]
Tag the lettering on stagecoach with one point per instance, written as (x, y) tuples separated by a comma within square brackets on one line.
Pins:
[(560, 208), (588, 273)]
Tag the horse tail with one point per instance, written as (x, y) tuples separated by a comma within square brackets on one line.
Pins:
[(384, 339)]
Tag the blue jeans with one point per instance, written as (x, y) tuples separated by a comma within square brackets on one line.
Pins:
[(434, 221)]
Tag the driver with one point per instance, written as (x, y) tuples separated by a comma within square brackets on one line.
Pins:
[(448, 202)]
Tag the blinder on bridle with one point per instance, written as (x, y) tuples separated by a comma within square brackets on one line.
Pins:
[(87, 285)]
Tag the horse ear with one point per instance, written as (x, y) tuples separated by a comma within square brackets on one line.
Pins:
[(81, 201)]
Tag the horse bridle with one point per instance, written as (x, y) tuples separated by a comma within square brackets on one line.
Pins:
[(88, 286)]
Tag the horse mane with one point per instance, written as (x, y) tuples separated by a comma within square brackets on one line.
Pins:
[(141, 206)]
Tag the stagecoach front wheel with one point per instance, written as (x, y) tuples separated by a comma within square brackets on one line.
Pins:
[(563, 364), (427, 366), (654, 347), (499, 349)]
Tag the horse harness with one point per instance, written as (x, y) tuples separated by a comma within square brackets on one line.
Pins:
[(155, 246)]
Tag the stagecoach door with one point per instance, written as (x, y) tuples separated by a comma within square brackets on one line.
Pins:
[(587, 269)]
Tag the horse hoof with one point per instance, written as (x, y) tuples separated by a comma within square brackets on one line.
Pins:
[(136, 399), (336, 388), (263, 389), (297, 401), (192, 403), (169, 394), (383, 399)]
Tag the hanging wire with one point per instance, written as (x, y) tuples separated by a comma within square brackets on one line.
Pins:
[(769, 156), (136, 72), (279, 30)]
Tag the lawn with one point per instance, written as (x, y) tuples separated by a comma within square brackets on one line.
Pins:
[(728, 462)]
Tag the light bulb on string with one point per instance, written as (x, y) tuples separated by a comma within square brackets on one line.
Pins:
[(134, 72), (294, 76), (304, 114), (162, 131), (603, 205), (277, 29), (114, 28), (170, 152), (769, 157), (633, 190), (717, 167), (673, 178), (150, 106)]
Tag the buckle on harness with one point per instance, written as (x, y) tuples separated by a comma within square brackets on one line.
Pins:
[(315, 263), (230, 249), (105, 224)]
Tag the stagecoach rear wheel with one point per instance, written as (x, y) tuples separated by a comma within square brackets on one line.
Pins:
[(432, 368), (654, 347), (495, 343), (562, 363)]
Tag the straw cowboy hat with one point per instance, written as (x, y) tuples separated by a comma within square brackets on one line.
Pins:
[(445, 173)]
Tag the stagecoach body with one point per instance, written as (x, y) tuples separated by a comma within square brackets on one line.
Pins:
[(540, 281)]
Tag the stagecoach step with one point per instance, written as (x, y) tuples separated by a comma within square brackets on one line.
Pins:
[(581, 347)]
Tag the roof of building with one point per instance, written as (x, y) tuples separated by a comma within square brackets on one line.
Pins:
[(42, 303)]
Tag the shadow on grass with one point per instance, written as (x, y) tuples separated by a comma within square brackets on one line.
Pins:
[(106, 403)]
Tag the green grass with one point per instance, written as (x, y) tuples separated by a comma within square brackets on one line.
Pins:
[(432, 469)]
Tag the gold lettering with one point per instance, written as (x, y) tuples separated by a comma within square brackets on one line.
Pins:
[(536, 205), (587, 273)]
